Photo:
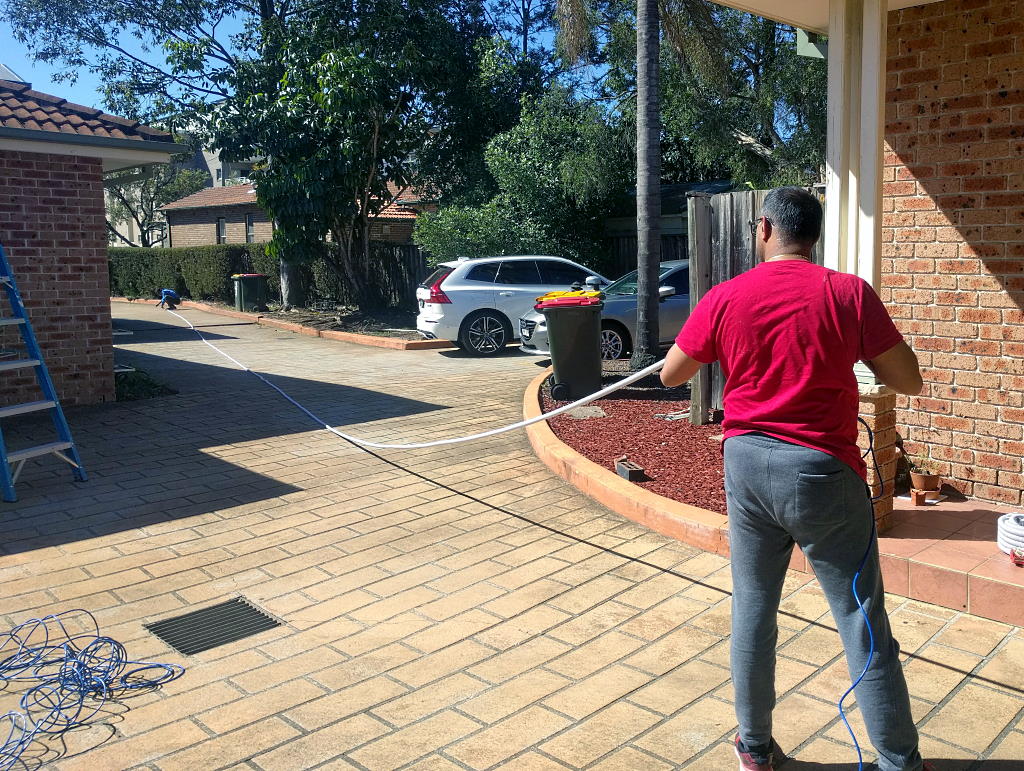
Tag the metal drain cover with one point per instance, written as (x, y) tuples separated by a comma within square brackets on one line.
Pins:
[(219, 624)]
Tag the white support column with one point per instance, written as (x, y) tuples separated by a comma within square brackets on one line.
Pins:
[(856, 108)]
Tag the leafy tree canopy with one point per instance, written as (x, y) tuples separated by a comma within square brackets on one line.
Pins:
[(351, 103), (560, 172)]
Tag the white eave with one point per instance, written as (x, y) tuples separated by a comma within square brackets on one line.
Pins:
[(811, 15), (115, 153)]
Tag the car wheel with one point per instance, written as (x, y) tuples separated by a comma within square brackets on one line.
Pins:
[(485, 333), (614, 342)]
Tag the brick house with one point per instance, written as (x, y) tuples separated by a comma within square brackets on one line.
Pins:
[(52, 225), (230, 215)]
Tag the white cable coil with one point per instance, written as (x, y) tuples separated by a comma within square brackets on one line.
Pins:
[(1011, 532)]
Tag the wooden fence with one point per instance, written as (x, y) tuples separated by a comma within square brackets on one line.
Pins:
[(721, 246), (622, 249)]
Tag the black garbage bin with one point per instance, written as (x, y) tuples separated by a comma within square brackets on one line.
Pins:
[(574, 340), (251, 291)]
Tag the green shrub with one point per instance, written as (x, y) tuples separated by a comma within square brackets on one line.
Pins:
[(259, 261), (204, 272), (207, 270)]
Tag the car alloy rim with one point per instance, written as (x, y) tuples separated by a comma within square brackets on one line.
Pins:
[(611, 344), (486, 334)]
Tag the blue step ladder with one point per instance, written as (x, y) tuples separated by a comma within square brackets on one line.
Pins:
[(12, 462)]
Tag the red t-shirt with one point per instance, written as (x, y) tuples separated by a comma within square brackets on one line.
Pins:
[(787, 334)]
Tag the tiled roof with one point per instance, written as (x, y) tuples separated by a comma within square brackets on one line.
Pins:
[(209, 197), (23, 108), (396, 211), (236, 195)]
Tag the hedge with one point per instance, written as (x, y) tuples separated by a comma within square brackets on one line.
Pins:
[(204, 272), (199, 272)]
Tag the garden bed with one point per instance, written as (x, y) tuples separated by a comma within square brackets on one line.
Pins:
[(682, 462)]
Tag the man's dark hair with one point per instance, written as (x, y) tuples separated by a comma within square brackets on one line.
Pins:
[(795, 213)]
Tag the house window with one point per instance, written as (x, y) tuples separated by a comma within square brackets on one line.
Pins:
[(222, 230), (250, 228), (220, 176)]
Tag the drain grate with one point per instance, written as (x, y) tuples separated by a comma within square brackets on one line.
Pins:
[(219, 624)]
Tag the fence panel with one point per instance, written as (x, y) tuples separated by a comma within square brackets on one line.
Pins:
[(622, 251)]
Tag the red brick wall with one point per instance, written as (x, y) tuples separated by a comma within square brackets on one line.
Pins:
[(953, 253), (198, 227), (52, 228)]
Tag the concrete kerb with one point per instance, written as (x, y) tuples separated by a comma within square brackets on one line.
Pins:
[(327, 334), (698, 527)]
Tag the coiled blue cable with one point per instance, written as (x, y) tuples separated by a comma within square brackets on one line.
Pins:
[(70, 677), (856, 595)]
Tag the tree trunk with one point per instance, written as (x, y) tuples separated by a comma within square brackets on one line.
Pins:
[(648, 183), (292, 294)]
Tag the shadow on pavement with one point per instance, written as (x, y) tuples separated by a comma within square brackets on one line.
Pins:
[(170, 457)]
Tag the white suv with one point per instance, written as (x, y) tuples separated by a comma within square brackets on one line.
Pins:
[(473, 302)]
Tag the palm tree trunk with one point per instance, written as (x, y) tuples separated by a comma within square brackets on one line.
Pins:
[(648, 182)]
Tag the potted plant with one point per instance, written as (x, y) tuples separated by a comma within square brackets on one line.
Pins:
[(923, 475)]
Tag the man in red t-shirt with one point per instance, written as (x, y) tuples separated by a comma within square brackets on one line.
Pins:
[(787, 334)]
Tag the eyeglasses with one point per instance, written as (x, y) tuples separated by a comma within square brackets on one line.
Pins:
[(754, 222)]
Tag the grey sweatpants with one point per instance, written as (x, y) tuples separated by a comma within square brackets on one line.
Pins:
[(779, 493)]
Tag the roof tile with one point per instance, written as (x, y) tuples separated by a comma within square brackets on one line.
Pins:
[(210, 197), (23, 108)]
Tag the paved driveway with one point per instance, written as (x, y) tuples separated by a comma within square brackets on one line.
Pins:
[(443, 609)]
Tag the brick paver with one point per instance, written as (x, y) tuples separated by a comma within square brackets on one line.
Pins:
[(456, 608)]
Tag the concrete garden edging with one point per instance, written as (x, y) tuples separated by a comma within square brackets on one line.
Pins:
[(374, 341), (698, 527)]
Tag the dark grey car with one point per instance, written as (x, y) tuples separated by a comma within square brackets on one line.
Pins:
[(618, 318)]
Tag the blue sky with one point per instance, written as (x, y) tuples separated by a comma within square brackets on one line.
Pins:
[(40, 75)]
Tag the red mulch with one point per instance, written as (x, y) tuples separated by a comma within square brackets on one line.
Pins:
[(681, 460)]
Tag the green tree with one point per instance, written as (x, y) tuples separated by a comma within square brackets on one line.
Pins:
[(749, 109), (352, 102), (560, 172), (135, 197)]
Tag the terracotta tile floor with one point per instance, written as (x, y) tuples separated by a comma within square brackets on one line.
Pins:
[(452, 609), (945, 553)]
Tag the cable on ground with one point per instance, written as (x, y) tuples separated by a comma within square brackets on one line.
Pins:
[(69, 677), (548, 415), (454, 440)]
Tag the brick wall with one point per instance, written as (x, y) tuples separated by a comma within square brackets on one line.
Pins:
[(53, 229), (953, 253), (198, 227)]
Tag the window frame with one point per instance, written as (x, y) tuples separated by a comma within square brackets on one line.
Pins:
[(222, 230)]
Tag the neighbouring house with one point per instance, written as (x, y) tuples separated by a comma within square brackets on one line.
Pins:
[(230, 215), (219, 173), (53, 155)]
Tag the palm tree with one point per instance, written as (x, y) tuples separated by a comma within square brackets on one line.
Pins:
[(694, 36), (575, 34), (648, 181)]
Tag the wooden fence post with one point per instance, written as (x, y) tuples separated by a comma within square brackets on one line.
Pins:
[(698, 212)]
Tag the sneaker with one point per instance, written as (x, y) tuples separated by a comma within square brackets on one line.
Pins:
[(752, 760)]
